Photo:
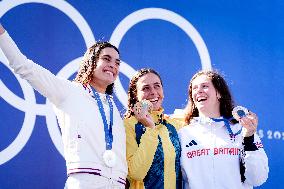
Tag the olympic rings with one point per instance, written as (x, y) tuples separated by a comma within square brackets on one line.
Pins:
[(29, 105)]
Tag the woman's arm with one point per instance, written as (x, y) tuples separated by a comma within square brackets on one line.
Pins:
[(2, 30), (255, 161), (139, 156), (50, 86), (254, 157)]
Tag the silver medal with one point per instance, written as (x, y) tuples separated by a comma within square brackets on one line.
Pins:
[(109, 158), (239, 112)]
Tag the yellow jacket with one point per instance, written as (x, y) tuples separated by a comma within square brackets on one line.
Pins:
[(153, 155)]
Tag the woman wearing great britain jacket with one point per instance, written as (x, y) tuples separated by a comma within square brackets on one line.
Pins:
[(218, 152), (92, 130)]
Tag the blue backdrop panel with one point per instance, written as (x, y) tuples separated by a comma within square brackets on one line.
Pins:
[(243, 40)]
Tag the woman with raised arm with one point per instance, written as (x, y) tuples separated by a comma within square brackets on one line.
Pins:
[(92, 130)]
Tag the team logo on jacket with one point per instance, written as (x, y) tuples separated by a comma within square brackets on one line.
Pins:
[(259, 145), (192, 143)]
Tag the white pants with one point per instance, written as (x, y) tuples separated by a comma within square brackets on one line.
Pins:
[(89, 181)]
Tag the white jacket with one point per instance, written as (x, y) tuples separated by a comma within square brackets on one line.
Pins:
[(211, 160), (78, 116)]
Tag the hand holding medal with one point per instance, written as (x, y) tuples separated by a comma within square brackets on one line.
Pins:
[(142, 112), (143, 107), (247, 119), (146, 105), (239, 112)]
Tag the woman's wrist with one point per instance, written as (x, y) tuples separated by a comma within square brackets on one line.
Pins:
[(147, 123), (2, 30)]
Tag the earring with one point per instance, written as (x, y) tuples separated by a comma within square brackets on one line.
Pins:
[(218, 97)]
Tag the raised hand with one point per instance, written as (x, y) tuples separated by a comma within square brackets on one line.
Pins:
[(142, 113), (249, 122)]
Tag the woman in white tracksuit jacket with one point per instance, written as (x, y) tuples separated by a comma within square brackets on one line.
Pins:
[(219, 152), (95, 154)]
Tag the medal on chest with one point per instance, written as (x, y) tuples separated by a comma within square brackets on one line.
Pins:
[(109, 156)]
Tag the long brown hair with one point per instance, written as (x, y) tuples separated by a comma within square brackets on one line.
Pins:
[(89, 63), (132, 89), (219, 83)]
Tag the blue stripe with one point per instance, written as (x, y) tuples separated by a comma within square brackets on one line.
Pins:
[(155, 176), (139, 130), (175, 141)]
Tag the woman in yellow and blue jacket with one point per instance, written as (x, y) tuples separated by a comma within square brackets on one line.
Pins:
[(153, 148)]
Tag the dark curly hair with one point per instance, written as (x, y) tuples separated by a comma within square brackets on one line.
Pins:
[(89, 63), (226, 101), (132, 89)]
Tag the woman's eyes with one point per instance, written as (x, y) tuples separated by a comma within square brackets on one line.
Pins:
[(145, 88), (202, 86), (106, 59), (157, 86), (117, 63)]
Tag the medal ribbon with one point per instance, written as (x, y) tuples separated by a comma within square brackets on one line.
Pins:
[(107, 128), (227, 124)]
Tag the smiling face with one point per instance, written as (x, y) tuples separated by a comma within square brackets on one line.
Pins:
[(208, 95), (149, 87), (106, 70), (205, 97)]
